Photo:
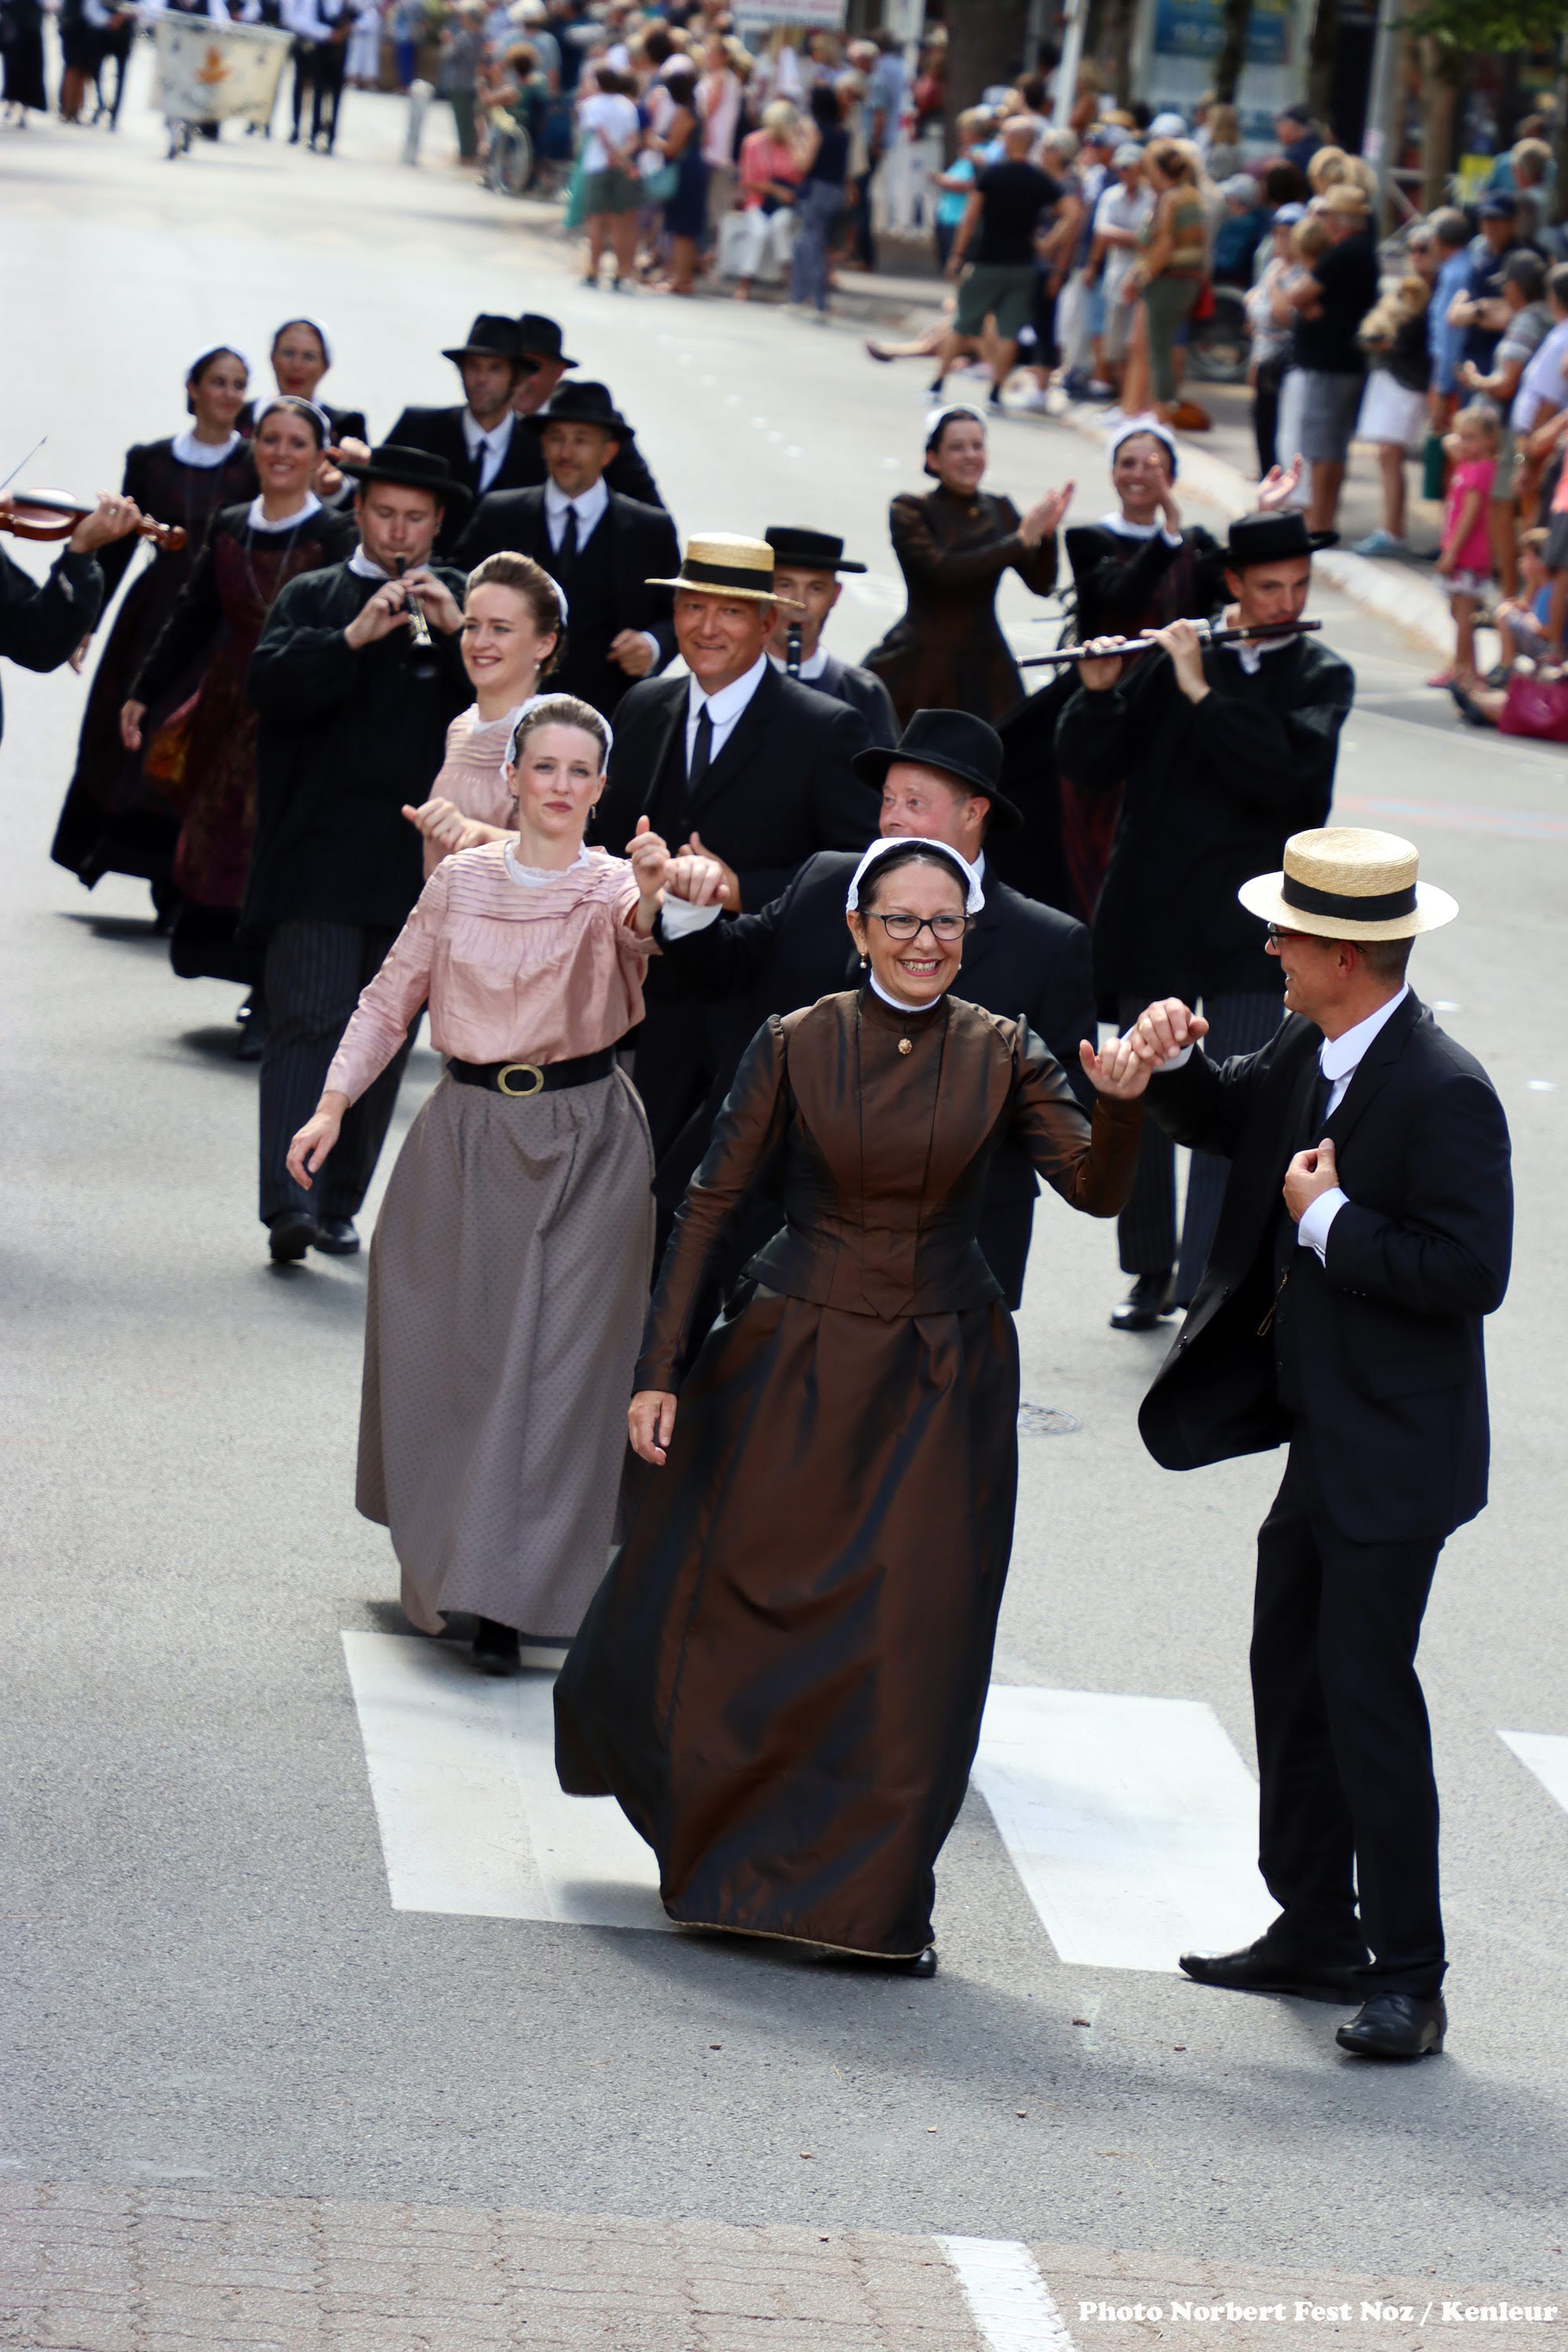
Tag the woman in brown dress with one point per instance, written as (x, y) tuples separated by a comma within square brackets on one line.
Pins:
[(249, 554), (782, 1677), (953, 545)]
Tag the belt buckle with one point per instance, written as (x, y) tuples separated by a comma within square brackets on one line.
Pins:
[(520, 1069)]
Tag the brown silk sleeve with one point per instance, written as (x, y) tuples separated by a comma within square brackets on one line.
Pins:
[(748, 1132), (1090, 1162)]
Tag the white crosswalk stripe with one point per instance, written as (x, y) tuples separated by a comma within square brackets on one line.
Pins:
[(1546, 1754), (1012, 2307)]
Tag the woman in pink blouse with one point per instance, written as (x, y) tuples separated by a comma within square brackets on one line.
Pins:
[(514, 619), (509, 1275)]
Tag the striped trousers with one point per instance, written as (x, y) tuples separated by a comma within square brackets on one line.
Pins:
[(314, 975), (1146, 1229)]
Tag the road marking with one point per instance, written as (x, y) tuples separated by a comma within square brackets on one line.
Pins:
[(1132, 1823), (1544, 1753), (462, 1775), (1013, 2308)]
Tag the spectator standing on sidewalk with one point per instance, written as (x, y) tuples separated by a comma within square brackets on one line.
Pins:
[(1172, 262), (1267, 322), (1120, 218), (719, 100), (953, 184), (993, 254), (1465, 563), (1393, 407), (1330, 304), (1528, 322), (821, 199), (457, 76)]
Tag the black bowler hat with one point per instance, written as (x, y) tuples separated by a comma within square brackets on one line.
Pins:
[(807, 550), (541, 339), (491, 338), (581, 404), (1272, 539), (412, 469), (962, 746)]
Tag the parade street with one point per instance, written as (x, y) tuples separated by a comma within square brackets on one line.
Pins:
[(328, 2018)]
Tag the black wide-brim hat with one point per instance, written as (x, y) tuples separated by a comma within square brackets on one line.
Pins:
[(581, 404), (541, 339), (412, 469), (809, 551), (959, 745), (1273, 538), (492, 338)]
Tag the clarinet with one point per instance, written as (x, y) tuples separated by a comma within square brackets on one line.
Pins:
[(792, 648), (424, 661), (1123, 648)]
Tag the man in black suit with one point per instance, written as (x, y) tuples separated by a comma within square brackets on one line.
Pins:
[(1020, 960), (43, 623), (482, 444), (807, 568), (1217, 753), (603, 548), (1366, 1231), (737, 757), (627, 471)]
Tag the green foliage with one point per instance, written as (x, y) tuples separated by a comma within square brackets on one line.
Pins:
[(1478, 27)]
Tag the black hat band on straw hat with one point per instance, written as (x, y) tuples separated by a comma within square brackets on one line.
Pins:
[(1387, 907)]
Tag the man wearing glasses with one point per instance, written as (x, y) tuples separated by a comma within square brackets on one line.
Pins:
[(1225, 752)]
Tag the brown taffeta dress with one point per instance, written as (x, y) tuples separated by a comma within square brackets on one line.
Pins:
[(948, 653), (783, 1676)]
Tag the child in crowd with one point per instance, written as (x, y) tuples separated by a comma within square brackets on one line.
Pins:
[(1465, 558), (1523, 624)]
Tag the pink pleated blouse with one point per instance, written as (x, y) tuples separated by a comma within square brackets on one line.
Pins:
[(470, 775), (513, 971)]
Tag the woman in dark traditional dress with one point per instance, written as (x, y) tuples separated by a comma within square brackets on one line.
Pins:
[(22, 48), (300, 355), (249, 553), (782, 1677), (953, 545), (116, 820)]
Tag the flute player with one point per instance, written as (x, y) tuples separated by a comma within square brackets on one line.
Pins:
[(353, 718), (1224, 752)]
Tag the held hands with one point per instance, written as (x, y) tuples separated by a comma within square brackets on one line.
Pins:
[(702, 879), (1165, 1029), (649, 855), (1117, 1070), (1310, 1174), (316, 1138), (1278, 487), (631, 651), (650, 1421), (1046, 514), (449, 829)]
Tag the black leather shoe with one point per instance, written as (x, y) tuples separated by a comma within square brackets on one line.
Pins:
[(1149, 1299), (337, 1237), (922, 1965), (291, 1235), (1396, 2025), (1259, 1969), (496, 1648)]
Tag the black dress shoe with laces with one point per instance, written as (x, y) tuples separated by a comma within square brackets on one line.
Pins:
[(1149, 1299), (1397, 2025), (291, 1235), (496, 1648), (337, 1237), (1258, 1968)]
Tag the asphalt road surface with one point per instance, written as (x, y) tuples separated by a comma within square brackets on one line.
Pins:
[(213, 2005)]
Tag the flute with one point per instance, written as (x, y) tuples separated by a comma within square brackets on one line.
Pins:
[(419, 627), (1118, 648)]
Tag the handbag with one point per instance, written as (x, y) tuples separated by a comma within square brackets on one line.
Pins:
[(659, 184), (163, 761), (1434, 466), (1537, 707)]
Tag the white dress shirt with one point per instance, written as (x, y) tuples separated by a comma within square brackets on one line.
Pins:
[(724, 709), (811, 669), (365, 567), (1339, 1058), (590, 509), (495, 443)]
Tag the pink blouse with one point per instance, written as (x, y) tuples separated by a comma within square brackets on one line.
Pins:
[(470, 775), (513, 971)]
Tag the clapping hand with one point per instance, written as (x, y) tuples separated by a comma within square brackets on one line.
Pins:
[(1278, 487), (1310, 1174), (1046, 514)]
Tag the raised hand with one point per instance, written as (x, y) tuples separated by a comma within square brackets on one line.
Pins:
[(1278, 487)]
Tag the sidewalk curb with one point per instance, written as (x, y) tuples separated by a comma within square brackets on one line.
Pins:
[(1412, 606)]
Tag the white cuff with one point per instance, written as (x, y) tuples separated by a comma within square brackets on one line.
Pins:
[(1172, 1061), (1171, 538), (1312, 1231), (651, 642), (678, 918)]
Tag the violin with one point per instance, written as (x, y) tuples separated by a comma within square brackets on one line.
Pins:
[(51, 514)]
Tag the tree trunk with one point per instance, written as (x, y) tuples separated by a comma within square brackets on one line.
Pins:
[(984, 45), (1442, 69), (1235, 18), (1560, 134), (1114, 45), (1320, 60)]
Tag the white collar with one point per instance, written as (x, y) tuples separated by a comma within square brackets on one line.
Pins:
[(534, 877), (588, 508), (1119, 523), (254, 520), (1249, 651), (911, 1011), (478, 437), (189, 451), (1338, 1057), (726, 706), (365, 567), (810, 667)]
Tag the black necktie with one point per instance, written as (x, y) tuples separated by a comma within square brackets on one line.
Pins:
[(701, 752), (476, 469), (567, 551)]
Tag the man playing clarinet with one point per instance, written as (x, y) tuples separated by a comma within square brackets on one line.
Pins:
[(1226, 750)]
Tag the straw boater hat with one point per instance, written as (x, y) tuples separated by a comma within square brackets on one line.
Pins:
[(719, 564), (1345, 883)]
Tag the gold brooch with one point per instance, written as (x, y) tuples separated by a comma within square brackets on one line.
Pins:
[(906, 1045)]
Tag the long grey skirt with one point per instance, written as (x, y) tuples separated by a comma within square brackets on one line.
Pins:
[(509, 1281)]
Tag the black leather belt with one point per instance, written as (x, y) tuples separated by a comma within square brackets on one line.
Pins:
[(521, 1079)]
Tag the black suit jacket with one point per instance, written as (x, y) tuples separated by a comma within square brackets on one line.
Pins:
[(440, 431), (864, 692), (780, 788), (1383, 1339), (41, 624), (643, 546)]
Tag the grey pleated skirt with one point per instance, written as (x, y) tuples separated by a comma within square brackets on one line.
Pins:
[(509, 1281)]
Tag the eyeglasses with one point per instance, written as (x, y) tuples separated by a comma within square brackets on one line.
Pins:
[(943, 928), (1277, 933)]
